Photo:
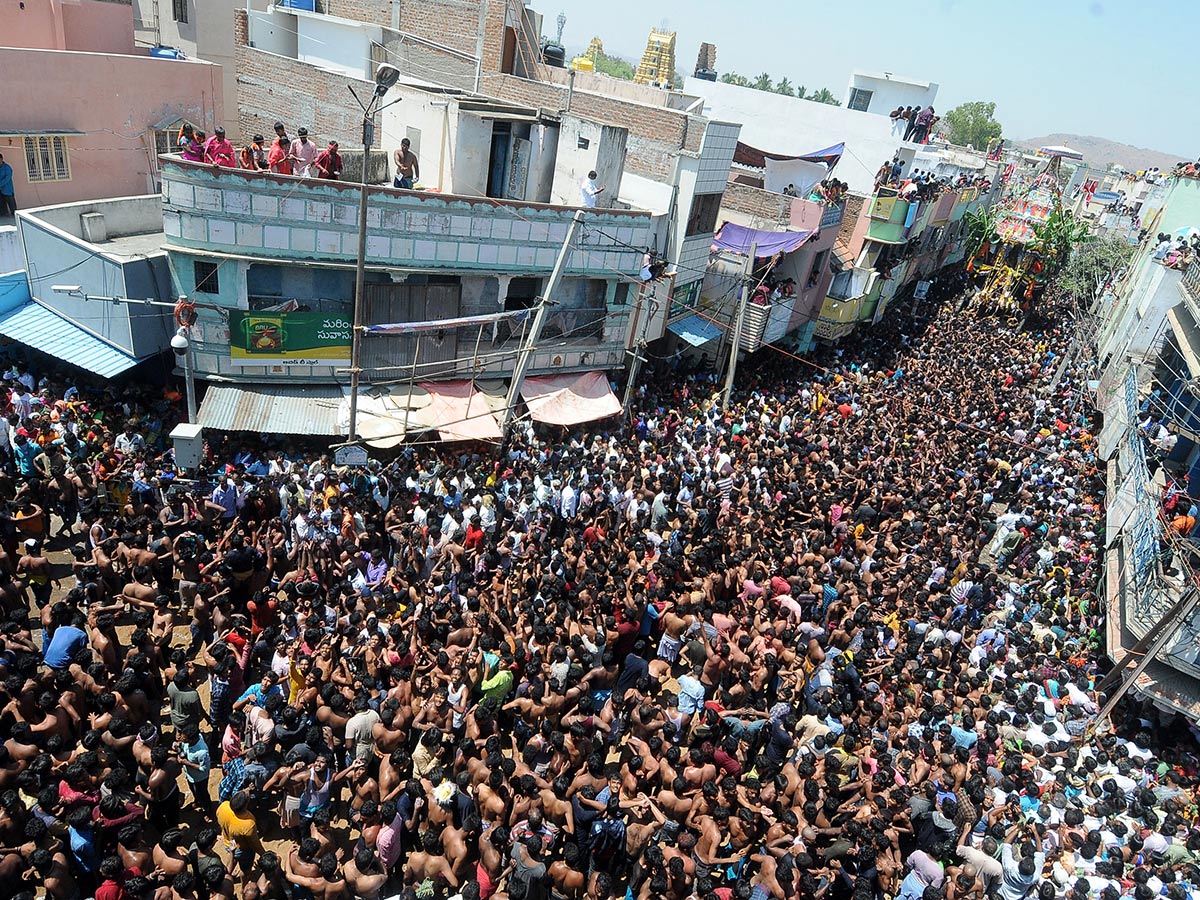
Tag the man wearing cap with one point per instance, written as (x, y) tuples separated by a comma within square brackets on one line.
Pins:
[(218, 151), (303, 155)]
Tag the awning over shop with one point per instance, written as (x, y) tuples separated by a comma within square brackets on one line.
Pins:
[(43, 329), (696, 330), (569, 399), (269, 408), (739, 239), (460, 411), (745, 155)]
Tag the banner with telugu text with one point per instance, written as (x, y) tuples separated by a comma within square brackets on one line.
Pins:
[(289, 338)]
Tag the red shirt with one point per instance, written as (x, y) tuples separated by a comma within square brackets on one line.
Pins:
[(474, 537), (329, 163), (110, 890)]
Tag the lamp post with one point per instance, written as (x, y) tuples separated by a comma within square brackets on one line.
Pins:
[(181, 346), (385, 77)]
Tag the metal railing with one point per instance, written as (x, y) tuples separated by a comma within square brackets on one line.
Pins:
[(1191, 280)]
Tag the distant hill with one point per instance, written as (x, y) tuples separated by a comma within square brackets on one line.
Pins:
[(1100, 151)]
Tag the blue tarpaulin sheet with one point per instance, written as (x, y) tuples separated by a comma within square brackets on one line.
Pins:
[(739, 239), (696, 330)]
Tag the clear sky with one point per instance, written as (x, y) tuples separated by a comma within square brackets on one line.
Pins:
[(1097, 67)]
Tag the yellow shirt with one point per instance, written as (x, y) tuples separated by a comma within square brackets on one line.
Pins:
[(238, 829)]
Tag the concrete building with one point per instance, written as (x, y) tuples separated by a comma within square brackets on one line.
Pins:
[(514, 137), (100, 249), (199, 29), (83, 117), (255, 247), (1146, 338), (882, 92)]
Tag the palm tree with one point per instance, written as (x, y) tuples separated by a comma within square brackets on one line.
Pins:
[(762, 82), (824, 95), (785, 87), (735, 79)]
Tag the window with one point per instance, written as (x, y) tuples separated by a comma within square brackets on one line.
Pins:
[(46, 159), (205, 275), (703, 218), (179, 11), (860, 99), (818, 268), (165, 139)]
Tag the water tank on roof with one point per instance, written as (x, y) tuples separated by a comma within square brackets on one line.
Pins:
[(555, 55), (706, 74)]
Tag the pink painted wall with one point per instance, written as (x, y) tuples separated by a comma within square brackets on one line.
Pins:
[(100, 26), (114, 101), (37, 25)]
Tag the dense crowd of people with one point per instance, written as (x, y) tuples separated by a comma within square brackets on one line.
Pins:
[(837, 641)]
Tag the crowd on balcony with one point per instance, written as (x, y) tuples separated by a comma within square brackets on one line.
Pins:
[(914, 123), (924, 185), (299, 156), (1178, 252)]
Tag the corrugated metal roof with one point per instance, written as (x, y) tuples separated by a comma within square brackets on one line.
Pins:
[(43, 329), (272, 409)]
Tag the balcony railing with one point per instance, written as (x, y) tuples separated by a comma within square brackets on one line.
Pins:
[(281, 217), (1191, 280)]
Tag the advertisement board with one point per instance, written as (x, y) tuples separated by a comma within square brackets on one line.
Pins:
[(289, 338)]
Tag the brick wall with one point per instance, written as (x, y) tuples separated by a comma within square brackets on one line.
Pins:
[(271, 88), (429, 62), (454, 23), (756, 202), (854, 207), (377, 12)]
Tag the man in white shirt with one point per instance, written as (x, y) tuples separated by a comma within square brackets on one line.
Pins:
[(591, 190), (304, 154)]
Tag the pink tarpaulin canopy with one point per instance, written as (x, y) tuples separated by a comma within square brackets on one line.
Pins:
[(569, 399), (459, 412)]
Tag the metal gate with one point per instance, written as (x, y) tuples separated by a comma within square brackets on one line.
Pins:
[(390, 354)]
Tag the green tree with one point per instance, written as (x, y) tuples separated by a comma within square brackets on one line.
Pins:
[(614, 66), (1060, 235), (1091, 265), (973, 124), (784, 86), (735, 79), (762, 82), (824, 95)]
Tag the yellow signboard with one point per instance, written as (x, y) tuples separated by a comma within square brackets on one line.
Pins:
[(882, 209)]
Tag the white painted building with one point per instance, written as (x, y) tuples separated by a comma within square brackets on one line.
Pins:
[(881, 92), (788, 126)]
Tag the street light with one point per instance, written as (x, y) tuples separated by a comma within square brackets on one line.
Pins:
[(385, 77), (182, 348)]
